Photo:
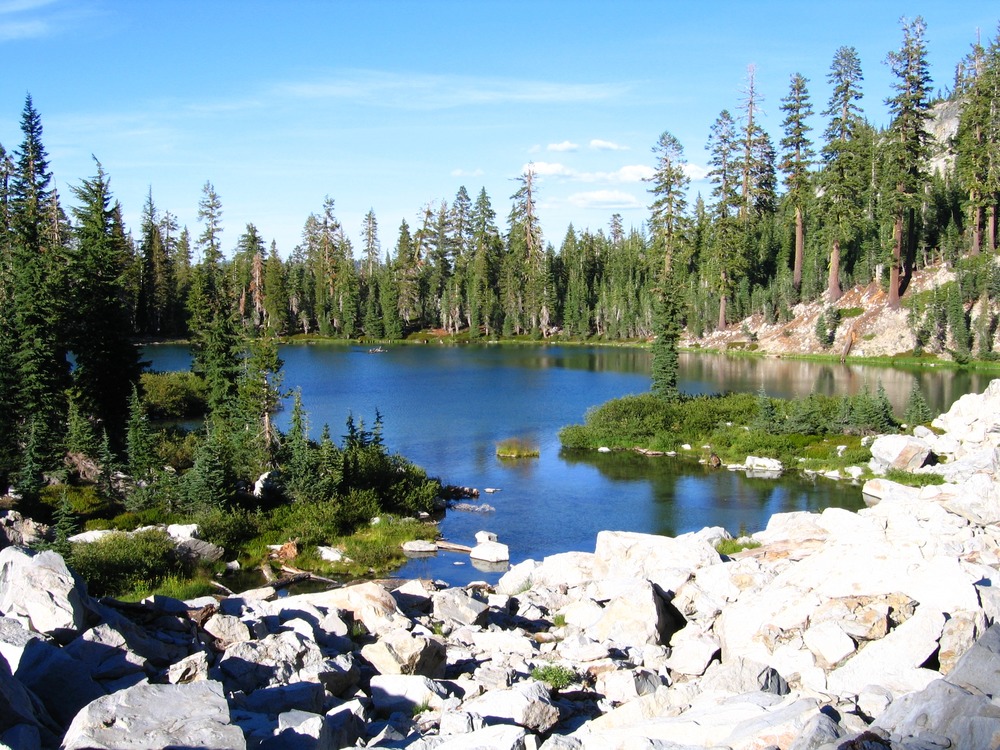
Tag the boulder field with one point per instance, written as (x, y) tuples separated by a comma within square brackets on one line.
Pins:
[(851, 631)]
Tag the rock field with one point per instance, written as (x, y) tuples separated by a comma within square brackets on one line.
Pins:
[(855, 631)]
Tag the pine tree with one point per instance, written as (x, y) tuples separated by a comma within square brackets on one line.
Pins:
[(727, 262), (140, 444), (842, 178), (485, 314), (298, 464), (669, 187), (37, 297), (158, 282), (107, 364), (917, 410), (907, 149), (523, 280), (65, 526), (978, 143), (797, 158)]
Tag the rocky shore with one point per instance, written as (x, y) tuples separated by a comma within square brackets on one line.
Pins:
[(865, 630)]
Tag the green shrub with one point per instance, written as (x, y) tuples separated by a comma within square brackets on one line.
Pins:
[(732, 546), (230, 528), (913, 480), (174, 395), (120, 563), (557, 676)]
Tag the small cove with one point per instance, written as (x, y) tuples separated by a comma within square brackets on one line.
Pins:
[(446, 408)]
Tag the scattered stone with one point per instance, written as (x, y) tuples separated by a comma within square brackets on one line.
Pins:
[(41, 590), (148, 716)]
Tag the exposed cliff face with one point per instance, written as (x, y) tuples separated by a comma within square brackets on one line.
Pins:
[(943, 128)]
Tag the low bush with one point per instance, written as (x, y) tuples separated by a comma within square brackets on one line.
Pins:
[(174, 395), (120, 563), (555, 675)]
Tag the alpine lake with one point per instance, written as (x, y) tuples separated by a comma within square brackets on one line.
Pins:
[(446, 408)]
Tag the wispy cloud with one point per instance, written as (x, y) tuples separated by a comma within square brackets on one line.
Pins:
[(425, 91), (19, 6), (35, 19), (605, 200), (628, 174), (696, 171), (548, 168), (564, 146), (600, 145)]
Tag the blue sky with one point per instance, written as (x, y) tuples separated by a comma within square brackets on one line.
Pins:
[(393, 105)]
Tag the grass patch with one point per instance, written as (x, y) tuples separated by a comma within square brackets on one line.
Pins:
[(732, 546), (556, 676), (850, 312), (517, 448), (913, 480)]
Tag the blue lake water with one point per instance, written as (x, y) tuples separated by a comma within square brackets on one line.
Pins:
[(446, 408)]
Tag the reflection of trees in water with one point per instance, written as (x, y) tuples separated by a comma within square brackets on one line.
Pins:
[(597, 359), (687, 496), (787, 378)]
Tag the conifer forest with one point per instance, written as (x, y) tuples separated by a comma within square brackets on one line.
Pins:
[(792, 216)]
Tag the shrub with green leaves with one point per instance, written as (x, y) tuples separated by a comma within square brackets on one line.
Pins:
[(120, 563), (174, 395), (555, 675)]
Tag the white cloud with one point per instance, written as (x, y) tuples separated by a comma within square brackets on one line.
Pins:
[(467, 173), (548, 168), (564, 146), (23, 30), (628, 174), (633, 173), (420, 91), (17, 6), (695, 171), (605, 200), (601, 145)]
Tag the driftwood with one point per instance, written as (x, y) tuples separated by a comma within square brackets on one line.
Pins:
[(312, 576), (852, 337), (452, 547)]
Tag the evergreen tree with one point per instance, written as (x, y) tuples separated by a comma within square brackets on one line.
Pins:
[(140, 443), (485, 314), (669, 187), (276, 301), (37, 298), (917, 410), (907, 149), (158, 285), (523, 283), (978, 143), (727, 262), (259, 395), (797, 158), (65, 523), (107, 364), (842, 178)]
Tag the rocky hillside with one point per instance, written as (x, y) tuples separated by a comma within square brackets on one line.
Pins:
[(875, 630), (877, 332)]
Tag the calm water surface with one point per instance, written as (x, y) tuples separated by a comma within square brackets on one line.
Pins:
[(446, 408)]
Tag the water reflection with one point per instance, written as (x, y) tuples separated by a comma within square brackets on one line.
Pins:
[(446, 408)]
